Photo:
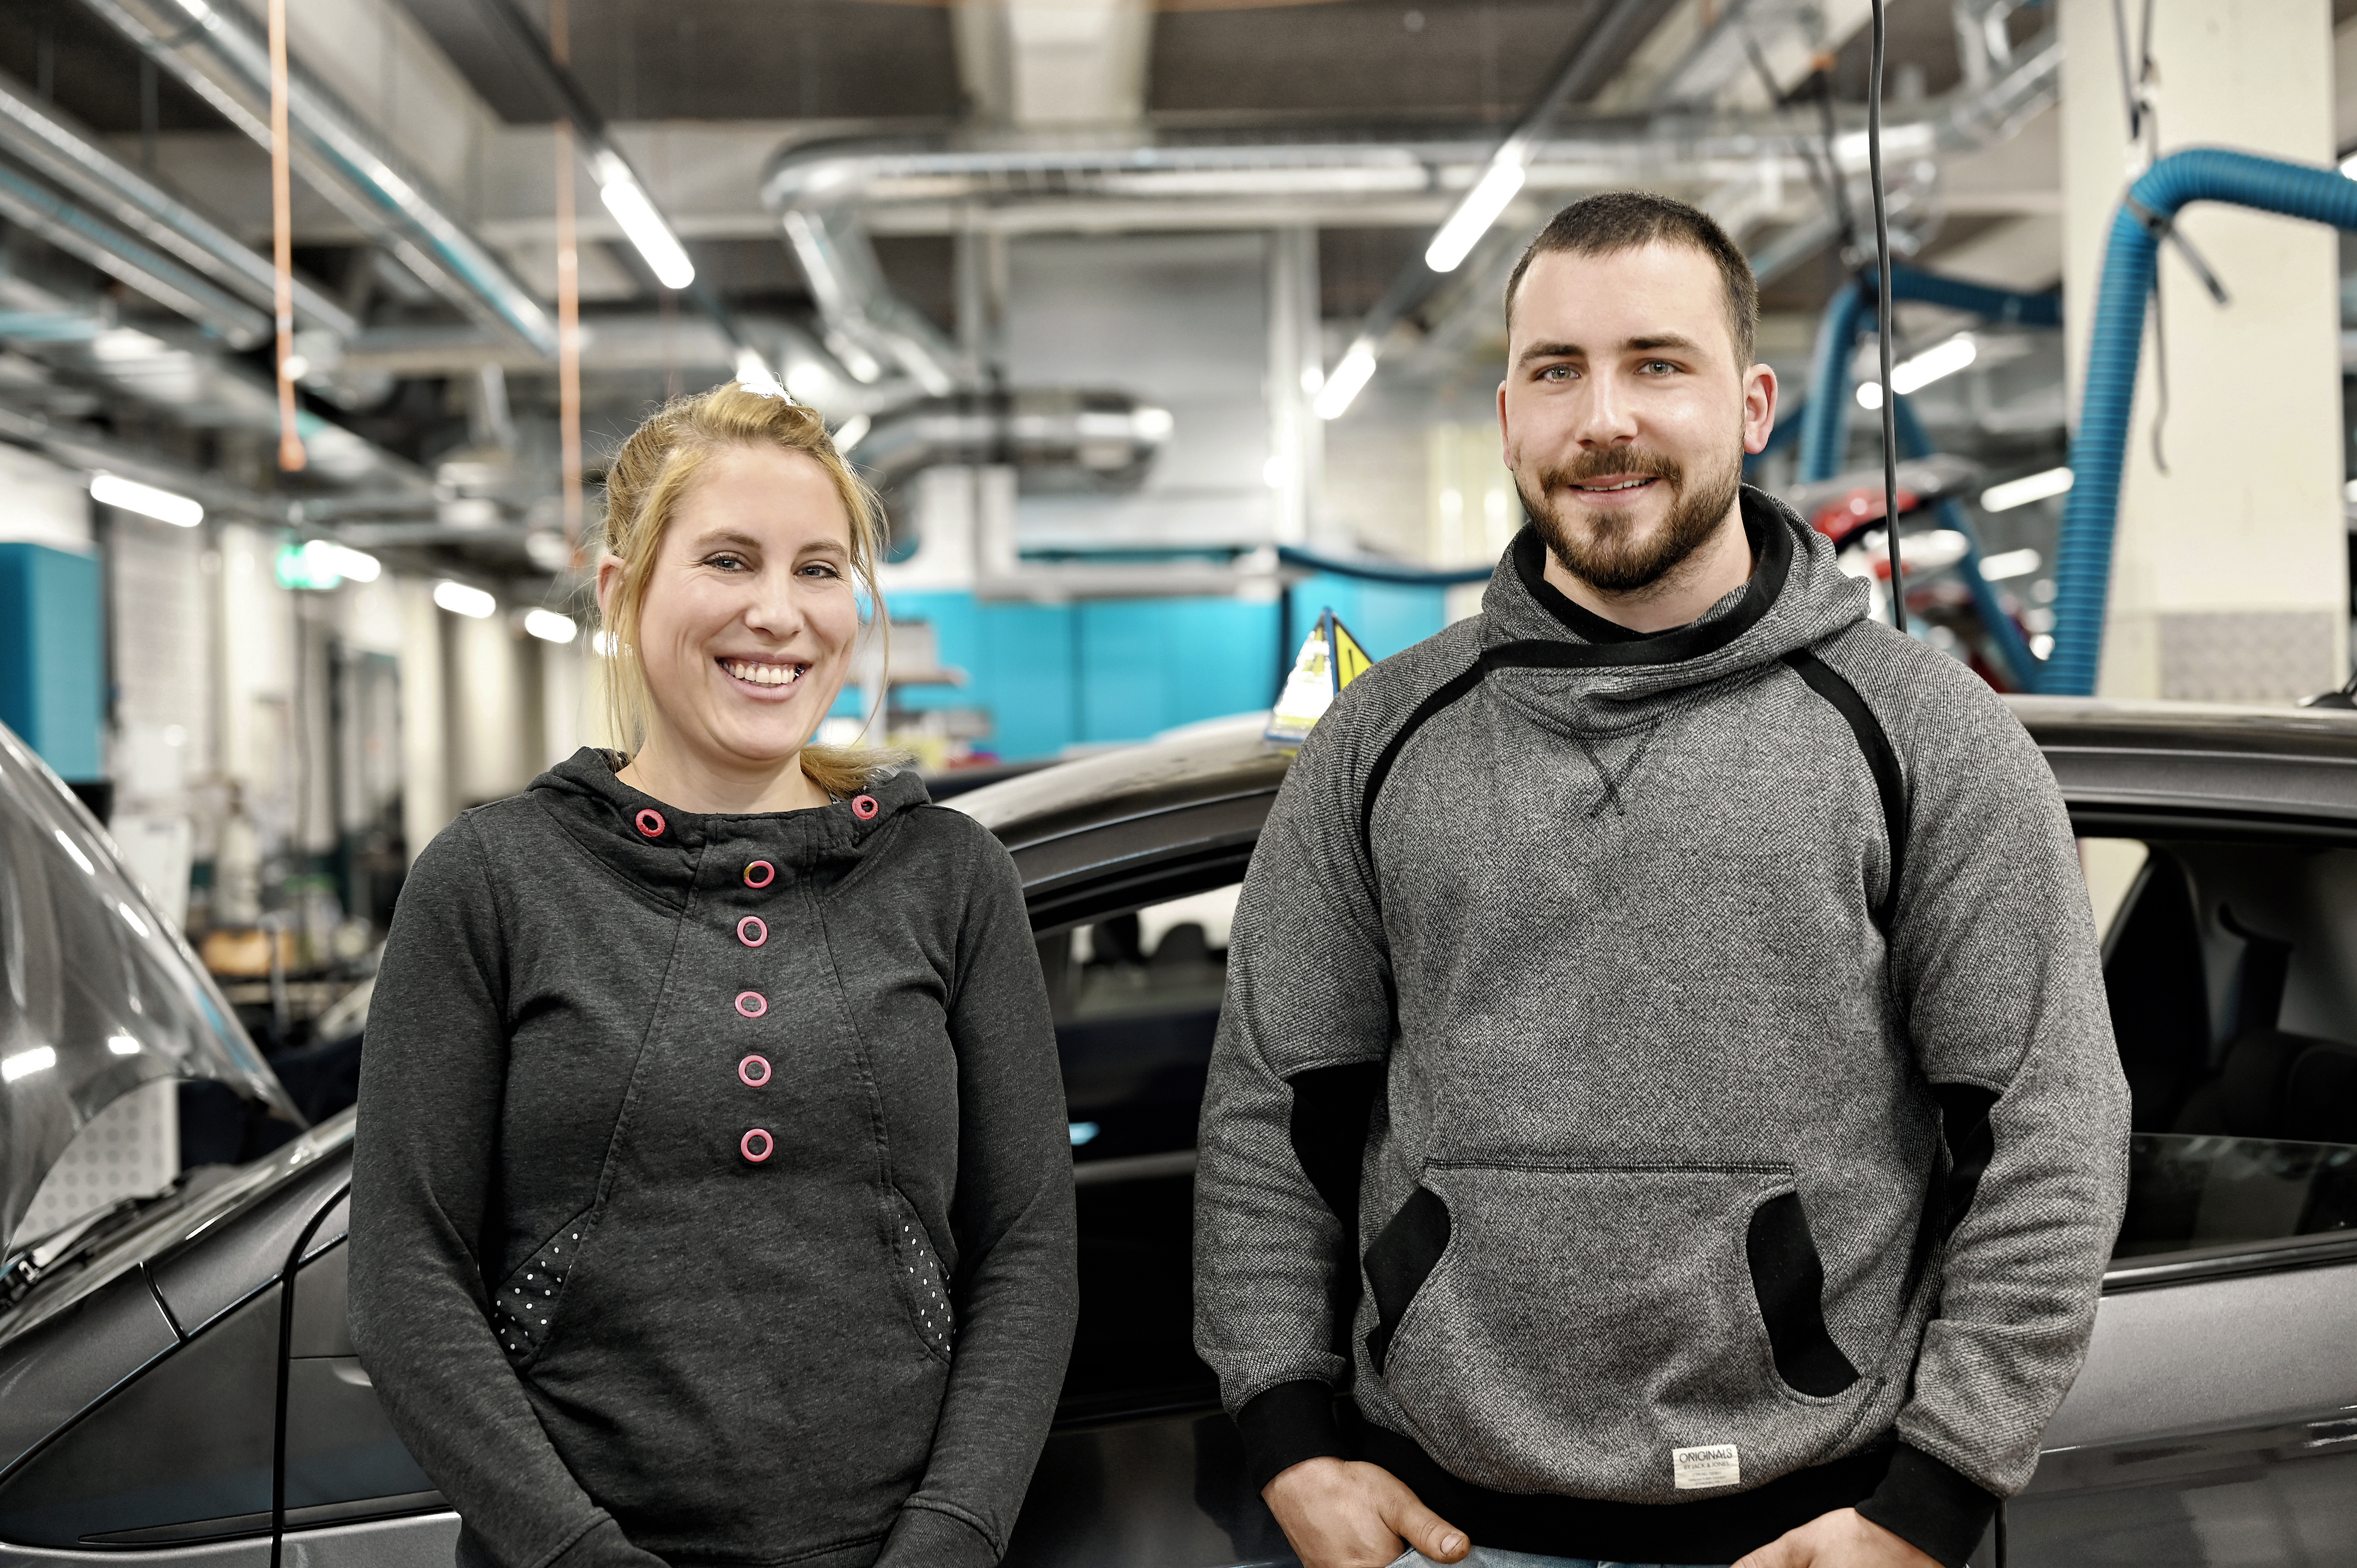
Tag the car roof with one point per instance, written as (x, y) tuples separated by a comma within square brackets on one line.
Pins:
[(2166, 757)]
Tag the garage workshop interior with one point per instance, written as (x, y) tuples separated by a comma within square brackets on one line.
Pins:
[(1167, 337)]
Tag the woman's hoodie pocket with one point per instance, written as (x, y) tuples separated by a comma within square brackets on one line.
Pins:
[(1639, 1333), (525, 1303)]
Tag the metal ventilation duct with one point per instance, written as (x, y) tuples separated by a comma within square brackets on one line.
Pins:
[(221, 56), (117, 194), (1096, 440)]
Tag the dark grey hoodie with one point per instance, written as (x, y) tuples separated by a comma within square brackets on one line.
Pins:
[(712, 1197), (1666, 1079)]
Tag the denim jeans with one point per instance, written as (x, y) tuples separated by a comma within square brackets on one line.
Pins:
[(1491, 1557)]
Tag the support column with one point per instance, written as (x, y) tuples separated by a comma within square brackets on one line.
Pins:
[(2229, 572)]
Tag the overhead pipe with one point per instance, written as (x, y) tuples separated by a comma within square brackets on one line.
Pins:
[(2090, 517), (1106, 440), (120, 256), (45, 142), (997, 166), (222, 57), (869, 329)]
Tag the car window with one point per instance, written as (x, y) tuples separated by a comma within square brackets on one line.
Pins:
[(1136, 1000), (2227, 968)]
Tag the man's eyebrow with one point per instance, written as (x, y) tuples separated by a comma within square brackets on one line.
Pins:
[(1553, 351), (1665, 340)]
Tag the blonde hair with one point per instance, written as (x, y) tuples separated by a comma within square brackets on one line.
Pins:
[(645, 484)]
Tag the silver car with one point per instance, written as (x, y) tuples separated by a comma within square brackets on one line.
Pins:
[(176, 1386)]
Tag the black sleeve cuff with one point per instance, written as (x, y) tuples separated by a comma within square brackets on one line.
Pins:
[(1931, 1506), (1287, 1424)]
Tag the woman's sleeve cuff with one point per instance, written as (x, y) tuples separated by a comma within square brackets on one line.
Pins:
[(1287, 1424), (1932, 1506)]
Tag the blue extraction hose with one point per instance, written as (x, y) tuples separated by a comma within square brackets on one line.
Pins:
[(2084, 557)]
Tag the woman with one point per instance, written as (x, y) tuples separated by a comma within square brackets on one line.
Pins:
[(713, 1199)]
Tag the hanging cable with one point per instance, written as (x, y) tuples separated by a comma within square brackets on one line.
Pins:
[(282, 246), (1885, 331)]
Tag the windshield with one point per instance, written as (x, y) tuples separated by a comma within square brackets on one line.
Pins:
[(98, 993)]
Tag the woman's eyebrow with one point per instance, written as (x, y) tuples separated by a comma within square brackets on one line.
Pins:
[(727, 536)]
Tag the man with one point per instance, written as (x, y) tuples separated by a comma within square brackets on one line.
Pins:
[(1665, 1080)]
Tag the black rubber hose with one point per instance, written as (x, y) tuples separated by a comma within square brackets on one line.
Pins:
[(1883, 329)]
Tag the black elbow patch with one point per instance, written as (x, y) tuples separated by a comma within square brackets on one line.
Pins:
[(1964, 1127), (1332, 1107)]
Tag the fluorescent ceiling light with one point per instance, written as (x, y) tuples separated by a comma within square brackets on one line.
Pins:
[(1473, 216), (123, 1044), (358, 565), (851, 432), (1351, 373), (40, 1059), (460, 599), (2027, 488), (1911, 375), (550, 627), (2010, 563), (753, 374), (642, 223), (112, 490)]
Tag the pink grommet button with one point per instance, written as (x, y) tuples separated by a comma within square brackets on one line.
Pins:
[(757, 1145), (761, 874), (752, 931), (752, 1004), (865, 808), (753, 1071), (651, 822)]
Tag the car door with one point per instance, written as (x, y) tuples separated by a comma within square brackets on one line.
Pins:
[(194, 1408), (2215, 1421)]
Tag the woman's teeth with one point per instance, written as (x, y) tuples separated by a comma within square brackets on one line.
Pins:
[(764, 674)]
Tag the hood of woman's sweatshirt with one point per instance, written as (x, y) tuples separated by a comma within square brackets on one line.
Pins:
[(1581, 669), (659, 846)]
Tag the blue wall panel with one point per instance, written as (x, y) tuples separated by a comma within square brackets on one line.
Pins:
[(1052, 676), (53, 657)]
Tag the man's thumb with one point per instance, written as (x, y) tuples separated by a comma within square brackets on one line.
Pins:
[(1427, 1530), (1778, 1553)]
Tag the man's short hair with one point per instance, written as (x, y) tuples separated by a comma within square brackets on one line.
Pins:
[(1617, 221)]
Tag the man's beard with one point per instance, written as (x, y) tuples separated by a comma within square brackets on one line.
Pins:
[(1619, 557)]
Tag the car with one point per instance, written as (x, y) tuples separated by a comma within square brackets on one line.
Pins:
[(150, 1368)]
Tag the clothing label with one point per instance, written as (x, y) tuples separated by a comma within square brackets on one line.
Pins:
[(1698, 1467)]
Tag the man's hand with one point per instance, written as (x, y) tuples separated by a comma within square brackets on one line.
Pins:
[(1341, 1514), (1843, 1539)]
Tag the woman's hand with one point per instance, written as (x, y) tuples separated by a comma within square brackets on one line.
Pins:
[(1842, 1539), (1338, 1513)]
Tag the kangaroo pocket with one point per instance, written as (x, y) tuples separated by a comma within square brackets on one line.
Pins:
[(1606, 1332), (736, 1370)]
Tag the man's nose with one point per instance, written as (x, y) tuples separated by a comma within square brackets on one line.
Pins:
[(1606, 416)]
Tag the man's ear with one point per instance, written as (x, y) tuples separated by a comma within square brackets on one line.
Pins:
[(1758, 407), (1505, 435)]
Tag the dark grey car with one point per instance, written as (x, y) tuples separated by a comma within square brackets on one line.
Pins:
[(163, 1395)]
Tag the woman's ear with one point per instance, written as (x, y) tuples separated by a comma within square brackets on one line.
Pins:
[(609, 583)]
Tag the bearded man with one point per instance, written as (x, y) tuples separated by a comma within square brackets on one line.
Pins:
[(1665, 1109)]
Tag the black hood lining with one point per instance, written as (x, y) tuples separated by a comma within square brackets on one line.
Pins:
[(1609, 645)]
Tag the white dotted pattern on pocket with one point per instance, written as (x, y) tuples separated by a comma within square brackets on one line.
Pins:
[(522, 1307), (927, 1287)]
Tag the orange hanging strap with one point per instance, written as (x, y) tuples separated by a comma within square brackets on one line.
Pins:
[(282, 241), (569, 306)]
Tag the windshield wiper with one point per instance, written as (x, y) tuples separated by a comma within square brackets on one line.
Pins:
[(29, 1262)]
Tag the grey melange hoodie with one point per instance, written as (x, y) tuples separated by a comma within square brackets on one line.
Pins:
[(712, 1200), (1665, 1080)]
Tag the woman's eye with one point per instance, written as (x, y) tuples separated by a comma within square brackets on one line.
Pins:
[(823, 568)]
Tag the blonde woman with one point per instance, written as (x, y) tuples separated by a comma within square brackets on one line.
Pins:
[(712, 1198)]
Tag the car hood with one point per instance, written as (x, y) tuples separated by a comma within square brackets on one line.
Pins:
[(98, 993)]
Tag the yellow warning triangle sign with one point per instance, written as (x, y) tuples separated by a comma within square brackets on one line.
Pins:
[(1351, 661), (1330, 659)]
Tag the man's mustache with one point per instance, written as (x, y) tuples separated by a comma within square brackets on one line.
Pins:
[(1629, 463)]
